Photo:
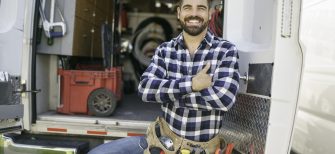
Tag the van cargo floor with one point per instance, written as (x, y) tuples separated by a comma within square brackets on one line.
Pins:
[(130, 108)]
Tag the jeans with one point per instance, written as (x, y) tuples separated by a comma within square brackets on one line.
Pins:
[(128, 145)]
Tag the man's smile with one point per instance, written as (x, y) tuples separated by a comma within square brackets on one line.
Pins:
[(193, 22)]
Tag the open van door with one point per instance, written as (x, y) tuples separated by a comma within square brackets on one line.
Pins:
[(15, 55), (266, 33)]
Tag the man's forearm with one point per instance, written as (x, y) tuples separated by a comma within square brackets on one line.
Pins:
[(212, 98), (164, 91)]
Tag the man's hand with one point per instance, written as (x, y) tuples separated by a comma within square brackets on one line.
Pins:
[(202, 80)]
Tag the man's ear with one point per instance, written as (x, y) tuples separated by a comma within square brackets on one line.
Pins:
[(178, 12), (211, 11)]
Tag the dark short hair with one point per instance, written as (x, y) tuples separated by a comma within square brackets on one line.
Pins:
[(180, 2)]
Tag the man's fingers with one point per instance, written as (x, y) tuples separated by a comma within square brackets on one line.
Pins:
[(206, 68)]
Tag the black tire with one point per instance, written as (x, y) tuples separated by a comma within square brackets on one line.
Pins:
[(101, 102), (168, 30)]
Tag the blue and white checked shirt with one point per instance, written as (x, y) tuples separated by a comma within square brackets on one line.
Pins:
[(168, 80)]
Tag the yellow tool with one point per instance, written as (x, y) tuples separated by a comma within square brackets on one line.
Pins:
[(185, 151)]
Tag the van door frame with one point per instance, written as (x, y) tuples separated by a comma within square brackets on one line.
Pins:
[(28, 75)]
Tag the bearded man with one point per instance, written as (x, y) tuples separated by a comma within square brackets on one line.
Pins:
[(195, 78)]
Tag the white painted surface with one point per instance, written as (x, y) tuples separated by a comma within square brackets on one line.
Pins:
[(255, 27), (11, 35), (8, 15), (315, 124)]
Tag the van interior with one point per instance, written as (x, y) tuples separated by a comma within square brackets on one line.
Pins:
[(86, 37)]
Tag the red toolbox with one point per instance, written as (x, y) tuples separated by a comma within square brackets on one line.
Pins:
[(90, 92)]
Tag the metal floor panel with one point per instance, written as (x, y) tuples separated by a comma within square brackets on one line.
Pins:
[(7, 96), (246, 123)]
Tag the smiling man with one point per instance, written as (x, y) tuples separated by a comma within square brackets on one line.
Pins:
[(194, 19), (195, 78)]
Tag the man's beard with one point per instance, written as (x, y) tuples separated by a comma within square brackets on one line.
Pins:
[(193, 30)]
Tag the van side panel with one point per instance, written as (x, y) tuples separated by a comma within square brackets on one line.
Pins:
[(11, 35), (266, 32), (315, 124)]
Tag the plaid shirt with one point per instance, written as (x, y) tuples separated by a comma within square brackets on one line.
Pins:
[(195, 116)]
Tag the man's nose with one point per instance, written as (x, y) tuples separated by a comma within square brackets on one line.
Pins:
[(194, 12)]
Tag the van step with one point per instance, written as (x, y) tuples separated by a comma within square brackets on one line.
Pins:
[(36, 143)]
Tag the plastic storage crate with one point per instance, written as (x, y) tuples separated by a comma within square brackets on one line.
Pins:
[(90, 92)]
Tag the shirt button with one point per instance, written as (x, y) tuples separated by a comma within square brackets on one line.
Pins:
[(190, 71)]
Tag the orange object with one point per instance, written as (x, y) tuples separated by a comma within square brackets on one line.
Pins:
[(76, 85), (229, 148)]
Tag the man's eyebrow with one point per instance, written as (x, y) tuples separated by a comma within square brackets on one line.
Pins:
[(202, 6), (187, 5)]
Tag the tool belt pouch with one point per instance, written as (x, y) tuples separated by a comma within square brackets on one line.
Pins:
[(179, 143)]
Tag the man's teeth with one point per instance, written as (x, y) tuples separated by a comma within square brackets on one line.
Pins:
[(193, 21)]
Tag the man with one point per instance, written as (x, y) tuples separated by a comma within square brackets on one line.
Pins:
[(195, 78)]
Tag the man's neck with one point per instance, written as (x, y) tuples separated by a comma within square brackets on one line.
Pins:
[(193, 42)]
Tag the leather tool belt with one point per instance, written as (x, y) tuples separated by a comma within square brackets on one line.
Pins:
[(160, 128)]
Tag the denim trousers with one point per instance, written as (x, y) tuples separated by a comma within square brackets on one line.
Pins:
[(127, 145)]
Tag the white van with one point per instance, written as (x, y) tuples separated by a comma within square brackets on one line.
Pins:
[(271, 61), (314, 130)]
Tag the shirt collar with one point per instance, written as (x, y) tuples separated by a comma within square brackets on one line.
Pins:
[(209, 37)]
